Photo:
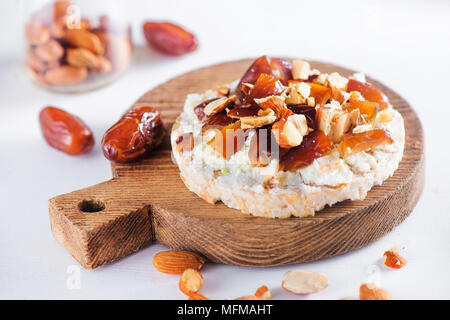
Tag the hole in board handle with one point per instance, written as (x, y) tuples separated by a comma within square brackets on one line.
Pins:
[(91, 206)]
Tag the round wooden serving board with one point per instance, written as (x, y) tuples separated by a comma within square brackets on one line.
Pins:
[(146, 201)]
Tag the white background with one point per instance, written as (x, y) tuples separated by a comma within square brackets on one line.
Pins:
[(405, 44)]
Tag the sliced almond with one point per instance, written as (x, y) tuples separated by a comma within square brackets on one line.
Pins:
[(339, 95), (81, 57), (190, 281), (176, 261), (289, 132), (66, 75), (50, 51), (223, 91), (304, 282), (258, 121), (337, 81), (84, 39), (276, 103), (246, 88), (300, 69), (218, 105), (369, 291)]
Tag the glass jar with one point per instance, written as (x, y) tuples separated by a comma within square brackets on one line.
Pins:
[(74, 46)]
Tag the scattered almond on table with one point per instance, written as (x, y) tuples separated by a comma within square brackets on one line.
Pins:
[(190, 282), (369, 291), (177, 261), (392, 259), (304, 282)]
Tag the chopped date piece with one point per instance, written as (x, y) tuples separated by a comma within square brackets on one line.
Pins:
[(243, 110), (185, 142), (321, 94), (279, 68), (139, 131), (262, 147), (199, 110), (282, 69), (369, 93), (266, 85), (229, 140), (65, 132), (307, 111), (217, 121), (357, 142), (313, 146), (169, 38), (366, 108)]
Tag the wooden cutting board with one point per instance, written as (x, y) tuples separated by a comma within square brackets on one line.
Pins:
[(146, 201)]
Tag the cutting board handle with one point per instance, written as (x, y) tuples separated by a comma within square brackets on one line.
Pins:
[(101, 223)]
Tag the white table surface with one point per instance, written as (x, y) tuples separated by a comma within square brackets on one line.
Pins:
[(405, 44)]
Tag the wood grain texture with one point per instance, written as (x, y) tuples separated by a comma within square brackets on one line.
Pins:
[(147, 201)]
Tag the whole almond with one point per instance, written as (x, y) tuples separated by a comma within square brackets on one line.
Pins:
[(66, 75), (304, 282), (36, 34), (81, 57), (117, 49), (34, 62), (369, 291), (50, 51), (84, 39), (104, 65), (58, 29), (176, 261)]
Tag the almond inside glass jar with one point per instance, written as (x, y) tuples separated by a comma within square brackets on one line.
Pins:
[(75, 46)]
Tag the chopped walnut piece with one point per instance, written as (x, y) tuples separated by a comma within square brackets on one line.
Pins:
[(218, 105), (265, 118), (300, 69)]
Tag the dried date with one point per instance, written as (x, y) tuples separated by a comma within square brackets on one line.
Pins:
[(139, 131), (65, 132)]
